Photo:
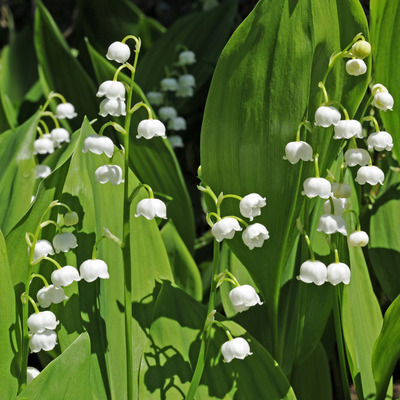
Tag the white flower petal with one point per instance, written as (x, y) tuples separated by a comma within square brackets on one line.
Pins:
[(370, 174), (327, 116), (330, 224), (243, 297), (149, 128), (109, 173), (46, 341), (119, 52), (313, 272), (255, 235), (356, 67), (151, 208), (295, 151), (235, 348), (92, 269), (225, 228), (338, 272), (314, 187), (65, 276), (348, 128), (39, 322), (98, 145), (251, 204), (65, 110)]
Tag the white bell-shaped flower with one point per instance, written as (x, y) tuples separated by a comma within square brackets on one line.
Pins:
[(71, 218), (370, 174), (31, 374), (109, 173), (39, 322), (92, 269), (313, 272), (43, 145), (384, 101), (341, 190), (119, 52), (235, 348), (295, 151), (338, 272), (187, 80), (177, 124), (149, 128), (59, 135), (169, 84), (225, 228), (42, 249), (46, 341), (255, 235), (184, 91), (348, 128), (314, 187), (327, 116), (340, 206), (380, 141), (65, 110), (65, 276), (378, 88), (114, 107), (243, 297), (356, 67), (355, 157), (151, 208), (155, 98), (50, 295), (175, 141), (112, 90), (166, 113), (42, 171), (330, 224), (98, 144), (64, 242), (186, 57), (358, 239), (251, 204)]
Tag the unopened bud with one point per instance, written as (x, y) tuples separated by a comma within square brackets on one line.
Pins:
[(71, 218), (361, 49)]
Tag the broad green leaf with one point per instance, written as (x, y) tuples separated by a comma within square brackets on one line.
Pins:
[(154, 161), (8, 318), (173, 350), (384, 244), (19, 174), (362, 322), (62, 71), (265, 82), (184, 268), (385, 39), (67, 377), (312, 379), (387, 349)]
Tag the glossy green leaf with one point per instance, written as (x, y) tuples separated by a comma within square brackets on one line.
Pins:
[(154, 161), (184, 268), (385, 39), (387, 350), (265, 82), (66, 377), (362, 322), (19, 174), (8, 316), (173, 350), (62, 71)]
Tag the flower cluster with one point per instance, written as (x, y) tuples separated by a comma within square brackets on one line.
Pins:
[(178, 83), (42, 324)]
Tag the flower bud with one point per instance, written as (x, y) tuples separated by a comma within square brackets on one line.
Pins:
[(43, 145), (348, 128), (109, 173), (149, 128), (383, 101), (243, 297), (295, 151), (46, 341), (251, 204), (42, 171), (98, 144), (313, 272), (186, 58), (65, 276), (380, 141), (39, 322), (378, 88), (235, 348), (361, 49), (119, 52), (314, 187), (355, 157), (358, 239), (330, 224), (166, 113), (177, 124), (50, 295), (151, 208), (327, 116), (92, 269), (356, 67), (155, 98), (370, 174), (71, 218), (225, 228), (338, 272), (114, 107), (65, 110), (255, 235), (64, 242), (112, 90)]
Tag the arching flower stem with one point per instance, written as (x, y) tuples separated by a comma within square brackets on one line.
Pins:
[(40, 277), (51, 115), (226, 330), (25, 298), (373, 120), (51, 96)]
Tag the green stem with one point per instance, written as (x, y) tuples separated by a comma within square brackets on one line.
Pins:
[(316, 156), (322, 87), (51, 96), (373, 120), (51, 115), (367, 104), (340, 343), (205, 336), (232, 196)]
